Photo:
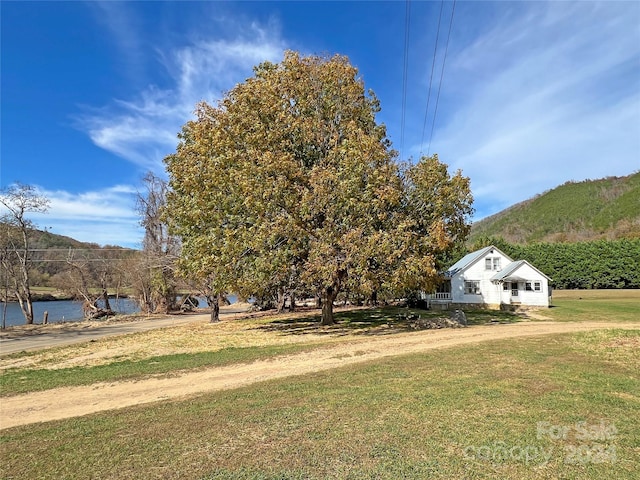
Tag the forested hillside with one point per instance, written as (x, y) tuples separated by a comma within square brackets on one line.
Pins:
[(608, 208), (46, 240), (51, 253)]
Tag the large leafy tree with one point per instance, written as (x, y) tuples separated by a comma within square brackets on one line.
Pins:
[(289, 181), (438, 208)]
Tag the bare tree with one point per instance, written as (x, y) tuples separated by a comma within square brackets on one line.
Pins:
[(90, 273), (19, 200), (155, 280), (8, 263)]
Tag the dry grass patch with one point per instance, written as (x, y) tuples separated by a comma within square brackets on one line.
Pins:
[(621, 348), (618, 294), (246, 331), (200, 336)]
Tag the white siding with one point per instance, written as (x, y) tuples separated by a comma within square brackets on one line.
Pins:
[(493, 293), (490, 293), (541, 298)]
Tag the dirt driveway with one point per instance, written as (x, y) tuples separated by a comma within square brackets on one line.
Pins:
[(70, 402)]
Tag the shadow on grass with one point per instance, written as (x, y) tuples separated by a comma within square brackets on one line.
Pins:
[(378, 321)]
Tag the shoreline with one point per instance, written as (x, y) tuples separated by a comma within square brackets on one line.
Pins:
[(48, 297)]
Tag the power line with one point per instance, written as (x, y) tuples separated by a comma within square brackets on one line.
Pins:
[(96, 260), (80, 254), (433, 65), (124, 250), (407, 22), (446, 48)]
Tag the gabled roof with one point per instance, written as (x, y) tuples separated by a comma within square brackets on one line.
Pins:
[(507, 273), (470, 258)]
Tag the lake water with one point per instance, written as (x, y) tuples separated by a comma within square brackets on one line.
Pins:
[(61, 310), (71, 311)]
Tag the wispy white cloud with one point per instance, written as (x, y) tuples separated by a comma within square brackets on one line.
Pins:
[(122, 25), (549, 93), (105, 217), (143, 129), (545, 92)]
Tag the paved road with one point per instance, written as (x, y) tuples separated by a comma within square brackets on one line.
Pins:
[(45, 338)]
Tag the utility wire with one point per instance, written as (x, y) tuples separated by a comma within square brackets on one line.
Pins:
[(124, 250), (446, 48), (405, 68), (433, 65)]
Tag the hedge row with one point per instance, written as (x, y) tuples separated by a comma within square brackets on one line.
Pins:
[(586, 265)]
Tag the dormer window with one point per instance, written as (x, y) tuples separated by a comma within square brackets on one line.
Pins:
[(492, 263)]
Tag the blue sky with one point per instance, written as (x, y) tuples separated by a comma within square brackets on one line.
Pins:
[(533, 93)]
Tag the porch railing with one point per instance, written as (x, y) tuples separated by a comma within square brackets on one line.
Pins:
[(441, 296)]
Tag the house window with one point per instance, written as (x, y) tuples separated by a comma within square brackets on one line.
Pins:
[(528, 287), (492, 263), (506, 286), (472, 287), (537, 286), (496, 263)]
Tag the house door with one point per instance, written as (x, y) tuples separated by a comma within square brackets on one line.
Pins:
[(514, 291)]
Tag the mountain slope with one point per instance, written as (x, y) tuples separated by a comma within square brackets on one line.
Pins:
[(44, 239), (608, 208)]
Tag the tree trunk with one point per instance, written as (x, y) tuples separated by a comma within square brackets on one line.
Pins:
[(26, 282), (29, 314), (26, 305), (374, 298), (214, 302), (105, 297), (292, 301), (146, 302), (328, 296), (281, 300), (89, 309)]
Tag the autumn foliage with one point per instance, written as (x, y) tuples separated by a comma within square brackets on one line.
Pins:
[(290, 184)]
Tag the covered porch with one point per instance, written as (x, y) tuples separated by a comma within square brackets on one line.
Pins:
[(441, 297), (511, 290)]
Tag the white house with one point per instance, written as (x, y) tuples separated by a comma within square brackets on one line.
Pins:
[(489, 278)]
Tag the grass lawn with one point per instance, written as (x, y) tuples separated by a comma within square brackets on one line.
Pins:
[(39, 292), (202, 346), (561, 406), (566, 406), (595, 305), (15, 381)]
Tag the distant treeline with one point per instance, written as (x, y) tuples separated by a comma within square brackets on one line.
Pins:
[(582, 265)]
